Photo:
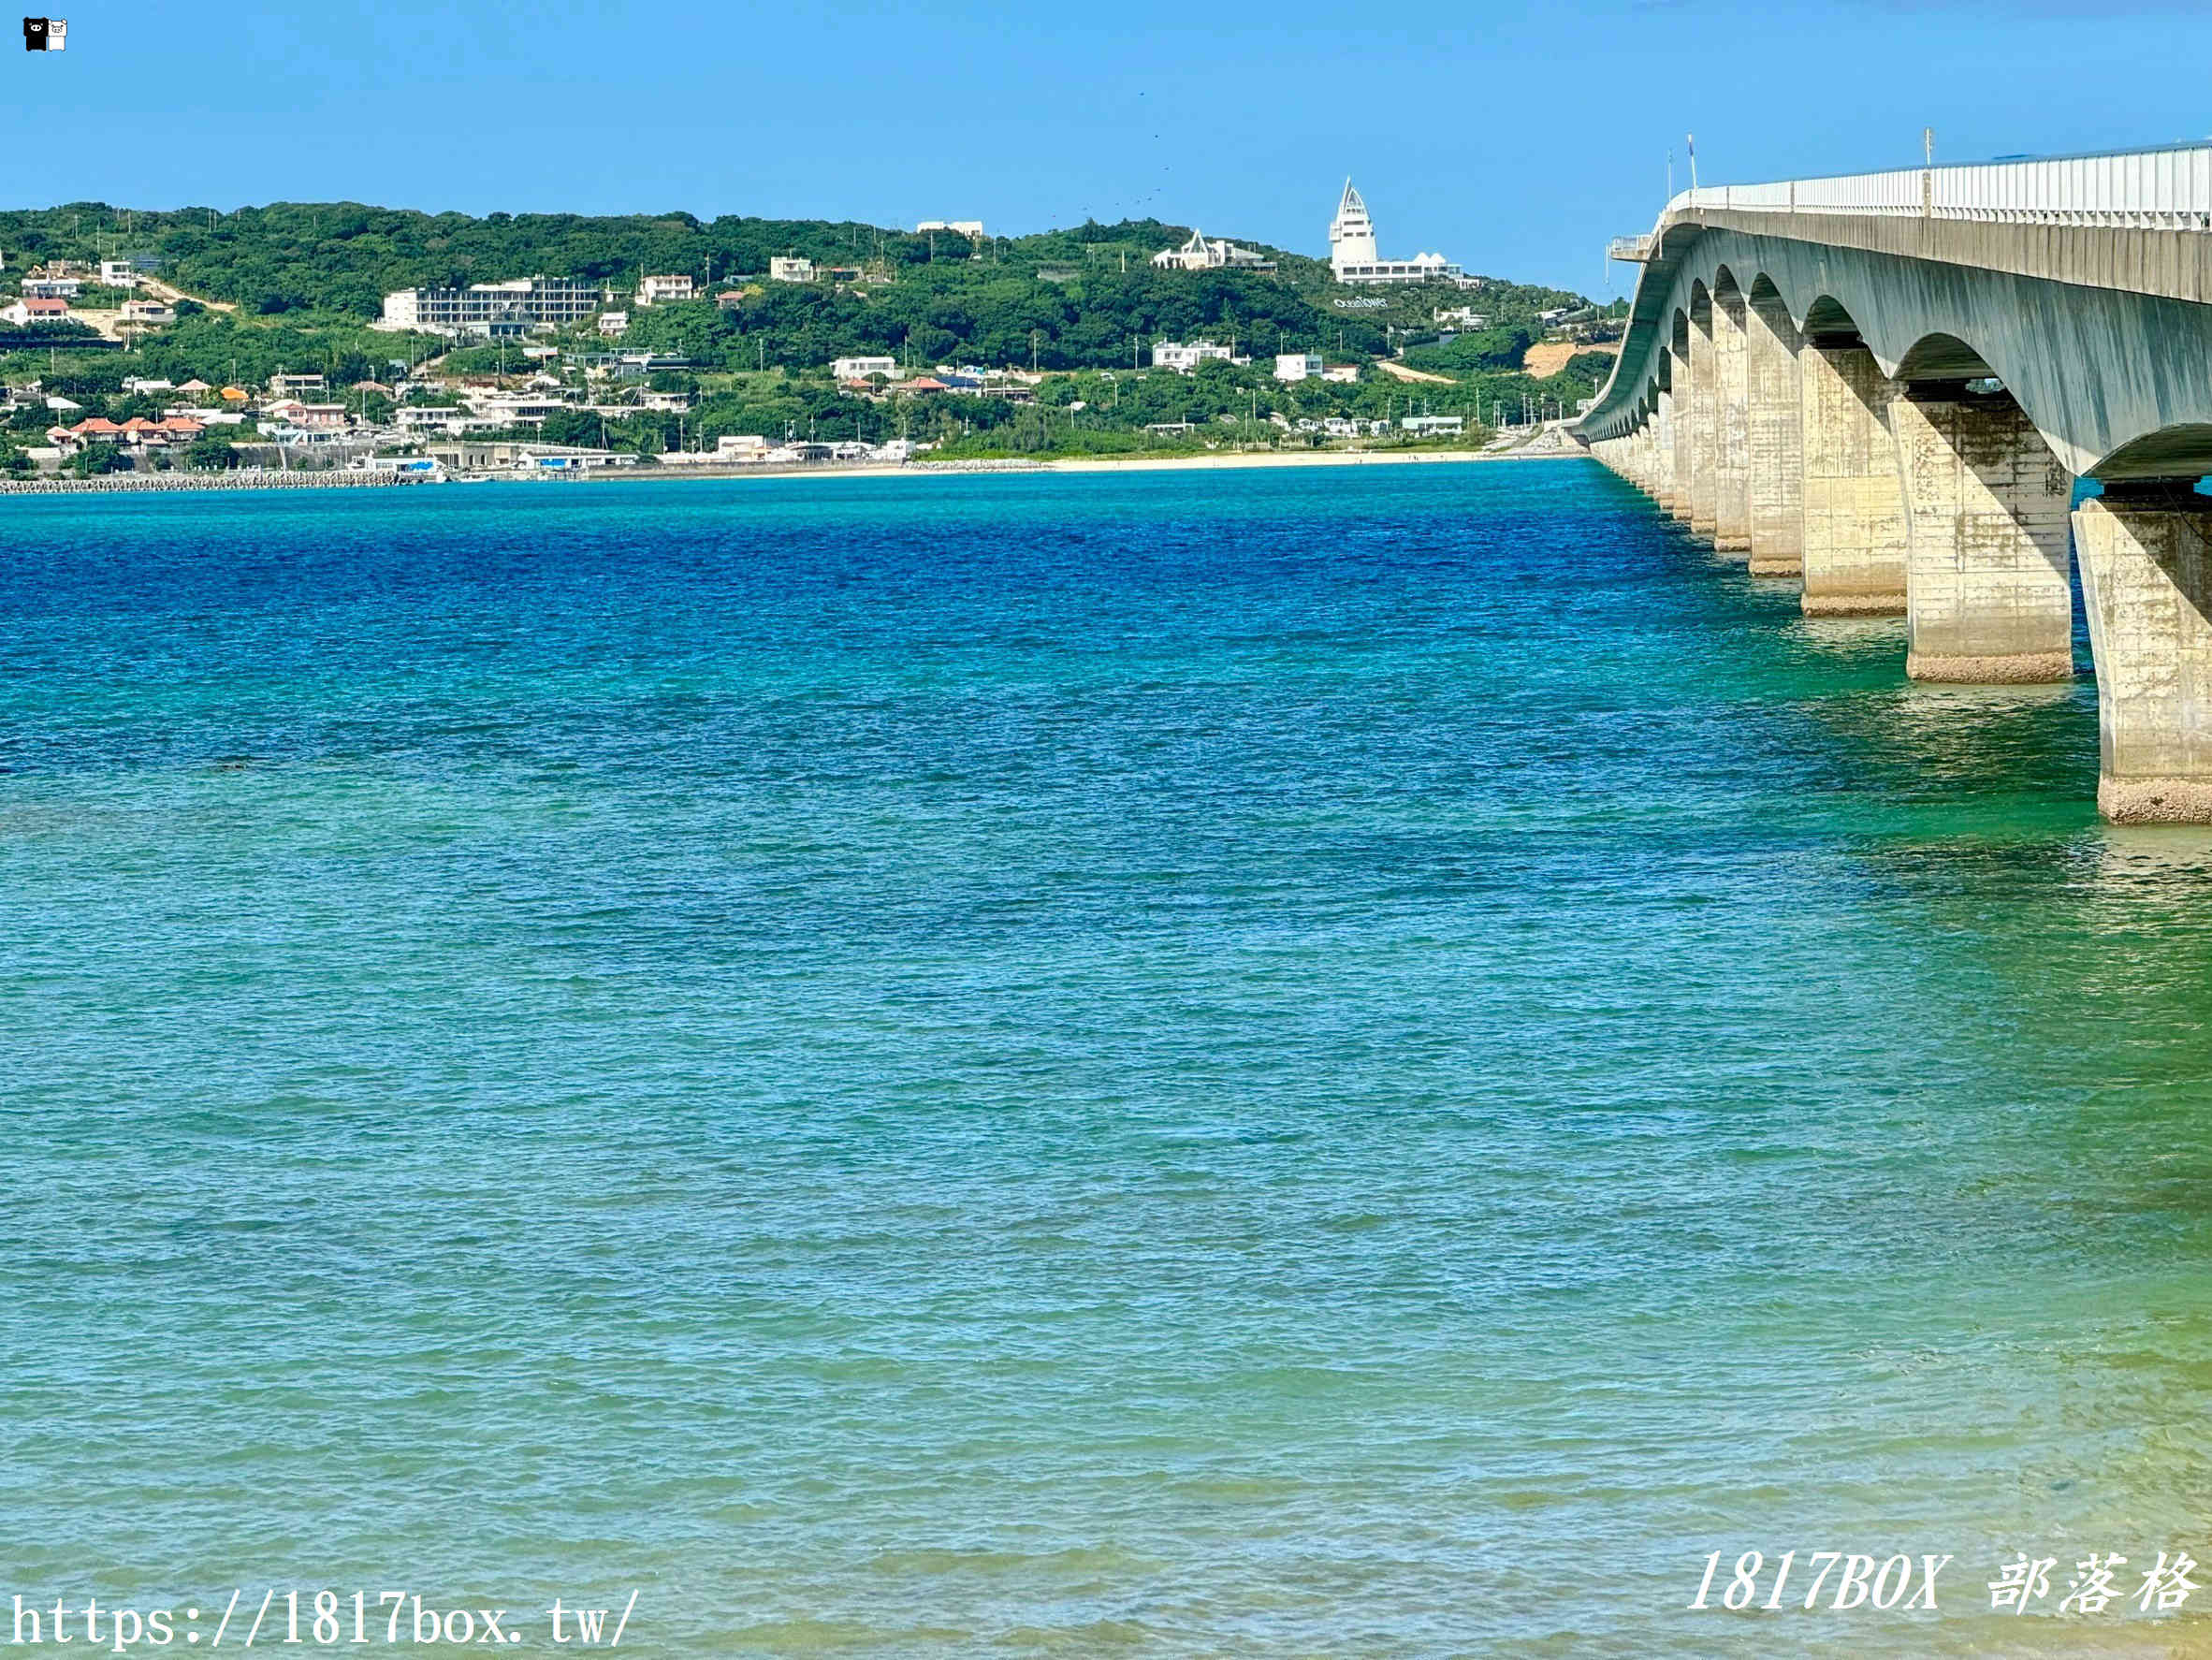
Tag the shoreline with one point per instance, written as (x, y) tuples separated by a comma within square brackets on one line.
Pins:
[(138, 484), (1014, 467)]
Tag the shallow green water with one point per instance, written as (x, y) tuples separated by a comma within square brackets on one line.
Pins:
[(1357, 1062)]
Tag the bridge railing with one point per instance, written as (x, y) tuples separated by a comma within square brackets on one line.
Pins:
[(2168, 189)]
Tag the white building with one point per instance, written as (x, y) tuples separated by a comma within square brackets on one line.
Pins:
[(118, 273), (1297, 366), (655, 290), (511, 409), (1462, 316), (782, 270), (1169, 353), (1201, 254), (967, 227), (454, 421), (614, 323), (486, 309), (1433, 424), (1353, 258), (859, 369), (741, 446), (52, 287)]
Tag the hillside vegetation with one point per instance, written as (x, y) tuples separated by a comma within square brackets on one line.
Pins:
[(306, 280)]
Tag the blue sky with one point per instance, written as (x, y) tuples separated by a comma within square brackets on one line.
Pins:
[(1512, 138)]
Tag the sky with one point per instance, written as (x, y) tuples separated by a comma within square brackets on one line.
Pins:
[(1515, 140)]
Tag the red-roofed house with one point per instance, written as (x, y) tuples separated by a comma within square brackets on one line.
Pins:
[(36, 311)]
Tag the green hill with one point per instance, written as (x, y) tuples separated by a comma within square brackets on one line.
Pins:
[(302, 282)]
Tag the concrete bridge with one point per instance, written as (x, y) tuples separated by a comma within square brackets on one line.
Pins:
[(1885, 386)]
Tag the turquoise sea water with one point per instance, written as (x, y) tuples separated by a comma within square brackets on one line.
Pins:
[(1351, 1062)]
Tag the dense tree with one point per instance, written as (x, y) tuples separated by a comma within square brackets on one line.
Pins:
[(211, 452)]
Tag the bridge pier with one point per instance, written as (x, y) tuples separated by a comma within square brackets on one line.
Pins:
[(2145, 551), (1685, 427), (1774, 447), (1732, 424), (1987, 597), (1853, 514), (1663, 420), (1705, 392)]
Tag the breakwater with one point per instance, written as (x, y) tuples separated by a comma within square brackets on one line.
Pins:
[(134, 482)]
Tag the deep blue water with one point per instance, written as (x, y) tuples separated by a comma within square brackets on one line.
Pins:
[(1351, 1062)]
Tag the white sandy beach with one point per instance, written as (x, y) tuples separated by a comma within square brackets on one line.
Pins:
[(1080, 464)]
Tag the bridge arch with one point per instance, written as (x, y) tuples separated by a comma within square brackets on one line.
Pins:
[(1942, 356), (2181, 451), (1828, 315)]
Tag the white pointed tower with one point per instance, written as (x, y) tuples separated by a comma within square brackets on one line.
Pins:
[(1351, 233)]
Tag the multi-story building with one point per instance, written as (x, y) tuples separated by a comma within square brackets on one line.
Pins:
[(521, 306), (118, 273), (782, 270), (654, 290), (856, 369), (1353, 258), (1169, 353), (1297, 366), (52, 287)]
